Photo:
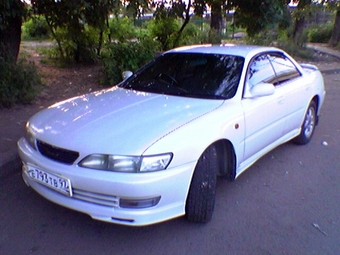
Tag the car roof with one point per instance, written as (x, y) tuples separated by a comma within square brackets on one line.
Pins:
[(227, 49)]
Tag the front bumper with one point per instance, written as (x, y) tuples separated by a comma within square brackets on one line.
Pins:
[(98, 193)]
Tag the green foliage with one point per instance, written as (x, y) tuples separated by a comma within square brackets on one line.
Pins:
[(214, 36), (192, 34), (292, 48), (122, 29), (10, 9), (320, 33), (301, 39), (259, 15), (77, 26), (164, 27), (163, 30), (18, 82), (196, 35), (264, 37), (286, 19), (81, 48), (36, 28), (123, 56)]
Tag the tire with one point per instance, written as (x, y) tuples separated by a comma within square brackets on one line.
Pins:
[(308, 125), (201, 197)]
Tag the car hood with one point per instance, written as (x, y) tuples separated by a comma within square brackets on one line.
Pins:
[(116, 121)]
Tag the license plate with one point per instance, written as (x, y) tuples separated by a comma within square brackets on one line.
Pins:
[(53, 181)]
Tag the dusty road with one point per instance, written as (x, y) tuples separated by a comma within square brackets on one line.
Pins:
[(287, 203)]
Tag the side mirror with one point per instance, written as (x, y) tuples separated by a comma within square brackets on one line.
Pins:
[(126, 74), (262, 89)]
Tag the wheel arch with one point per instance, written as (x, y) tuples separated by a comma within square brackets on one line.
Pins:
[(227, 159), (316, 100)]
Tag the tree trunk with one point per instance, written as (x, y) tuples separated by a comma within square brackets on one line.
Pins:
[(299, 26), (10, 39), (216, 16), (335, 39), (299, 23), (215, 22)]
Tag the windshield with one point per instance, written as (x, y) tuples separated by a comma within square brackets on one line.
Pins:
[(189, 74)]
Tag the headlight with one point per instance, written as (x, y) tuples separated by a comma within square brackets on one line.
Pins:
[(127, 164), (155, 163), (29, 137)]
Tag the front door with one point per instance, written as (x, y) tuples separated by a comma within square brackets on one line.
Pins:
[(264, 116)]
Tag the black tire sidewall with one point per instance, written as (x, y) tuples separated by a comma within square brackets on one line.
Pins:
[(201, 197)]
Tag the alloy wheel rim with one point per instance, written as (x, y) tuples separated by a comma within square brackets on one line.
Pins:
[(309, 122)]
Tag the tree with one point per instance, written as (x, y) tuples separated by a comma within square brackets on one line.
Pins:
[(11, 15), (216, 15), (165, 26), (300, 20), (254, 15), (217, 7), (335, 38), (73, 20), (258, 15), (182, 10), (18, 79)]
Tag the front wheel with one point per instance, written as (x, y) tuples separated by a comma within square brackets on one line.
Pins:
[(308, 125), (201, 198)]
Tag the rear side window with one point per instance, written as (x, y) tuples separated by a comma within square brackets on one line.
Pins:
[(271, 68), (284, 69)]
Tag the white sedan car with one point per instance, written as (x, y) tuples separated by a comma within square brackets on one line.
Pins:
[(150, 149)]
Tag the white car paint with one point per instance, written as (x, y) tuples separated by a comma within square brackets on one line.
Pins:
[(113, 113)]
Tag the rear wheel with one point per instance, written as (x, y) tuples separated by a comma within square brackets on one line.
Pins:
[(308, 125), (201, 198)]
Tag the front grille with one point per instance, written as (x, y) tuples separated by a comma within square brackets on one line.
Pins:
[(57, 154), (96, 198)]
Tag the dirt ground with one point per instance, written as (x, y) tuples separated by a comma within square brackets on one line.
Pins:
[(61, 83)]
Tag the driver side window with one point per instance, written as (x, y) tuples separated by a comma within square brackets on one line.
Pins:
[(259, 71)]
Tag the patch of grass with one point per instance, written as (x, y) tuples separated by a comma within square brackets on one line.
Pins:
[(24, 54)]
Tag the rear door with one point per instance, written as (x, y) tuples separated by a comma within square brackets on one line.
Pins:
[(296, 88)]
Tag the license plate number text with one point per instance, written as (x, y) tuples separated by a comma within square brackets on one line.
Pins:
[(56, 182)]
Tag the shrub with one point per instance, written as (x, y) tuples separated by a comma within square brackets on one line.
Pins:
[(18, 82), (192, 34), (164, 30), (36, 28), (123, 56), (78, 46), (122, 29), (320, 33), (264, 38), (293, 49), (205, 36)]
